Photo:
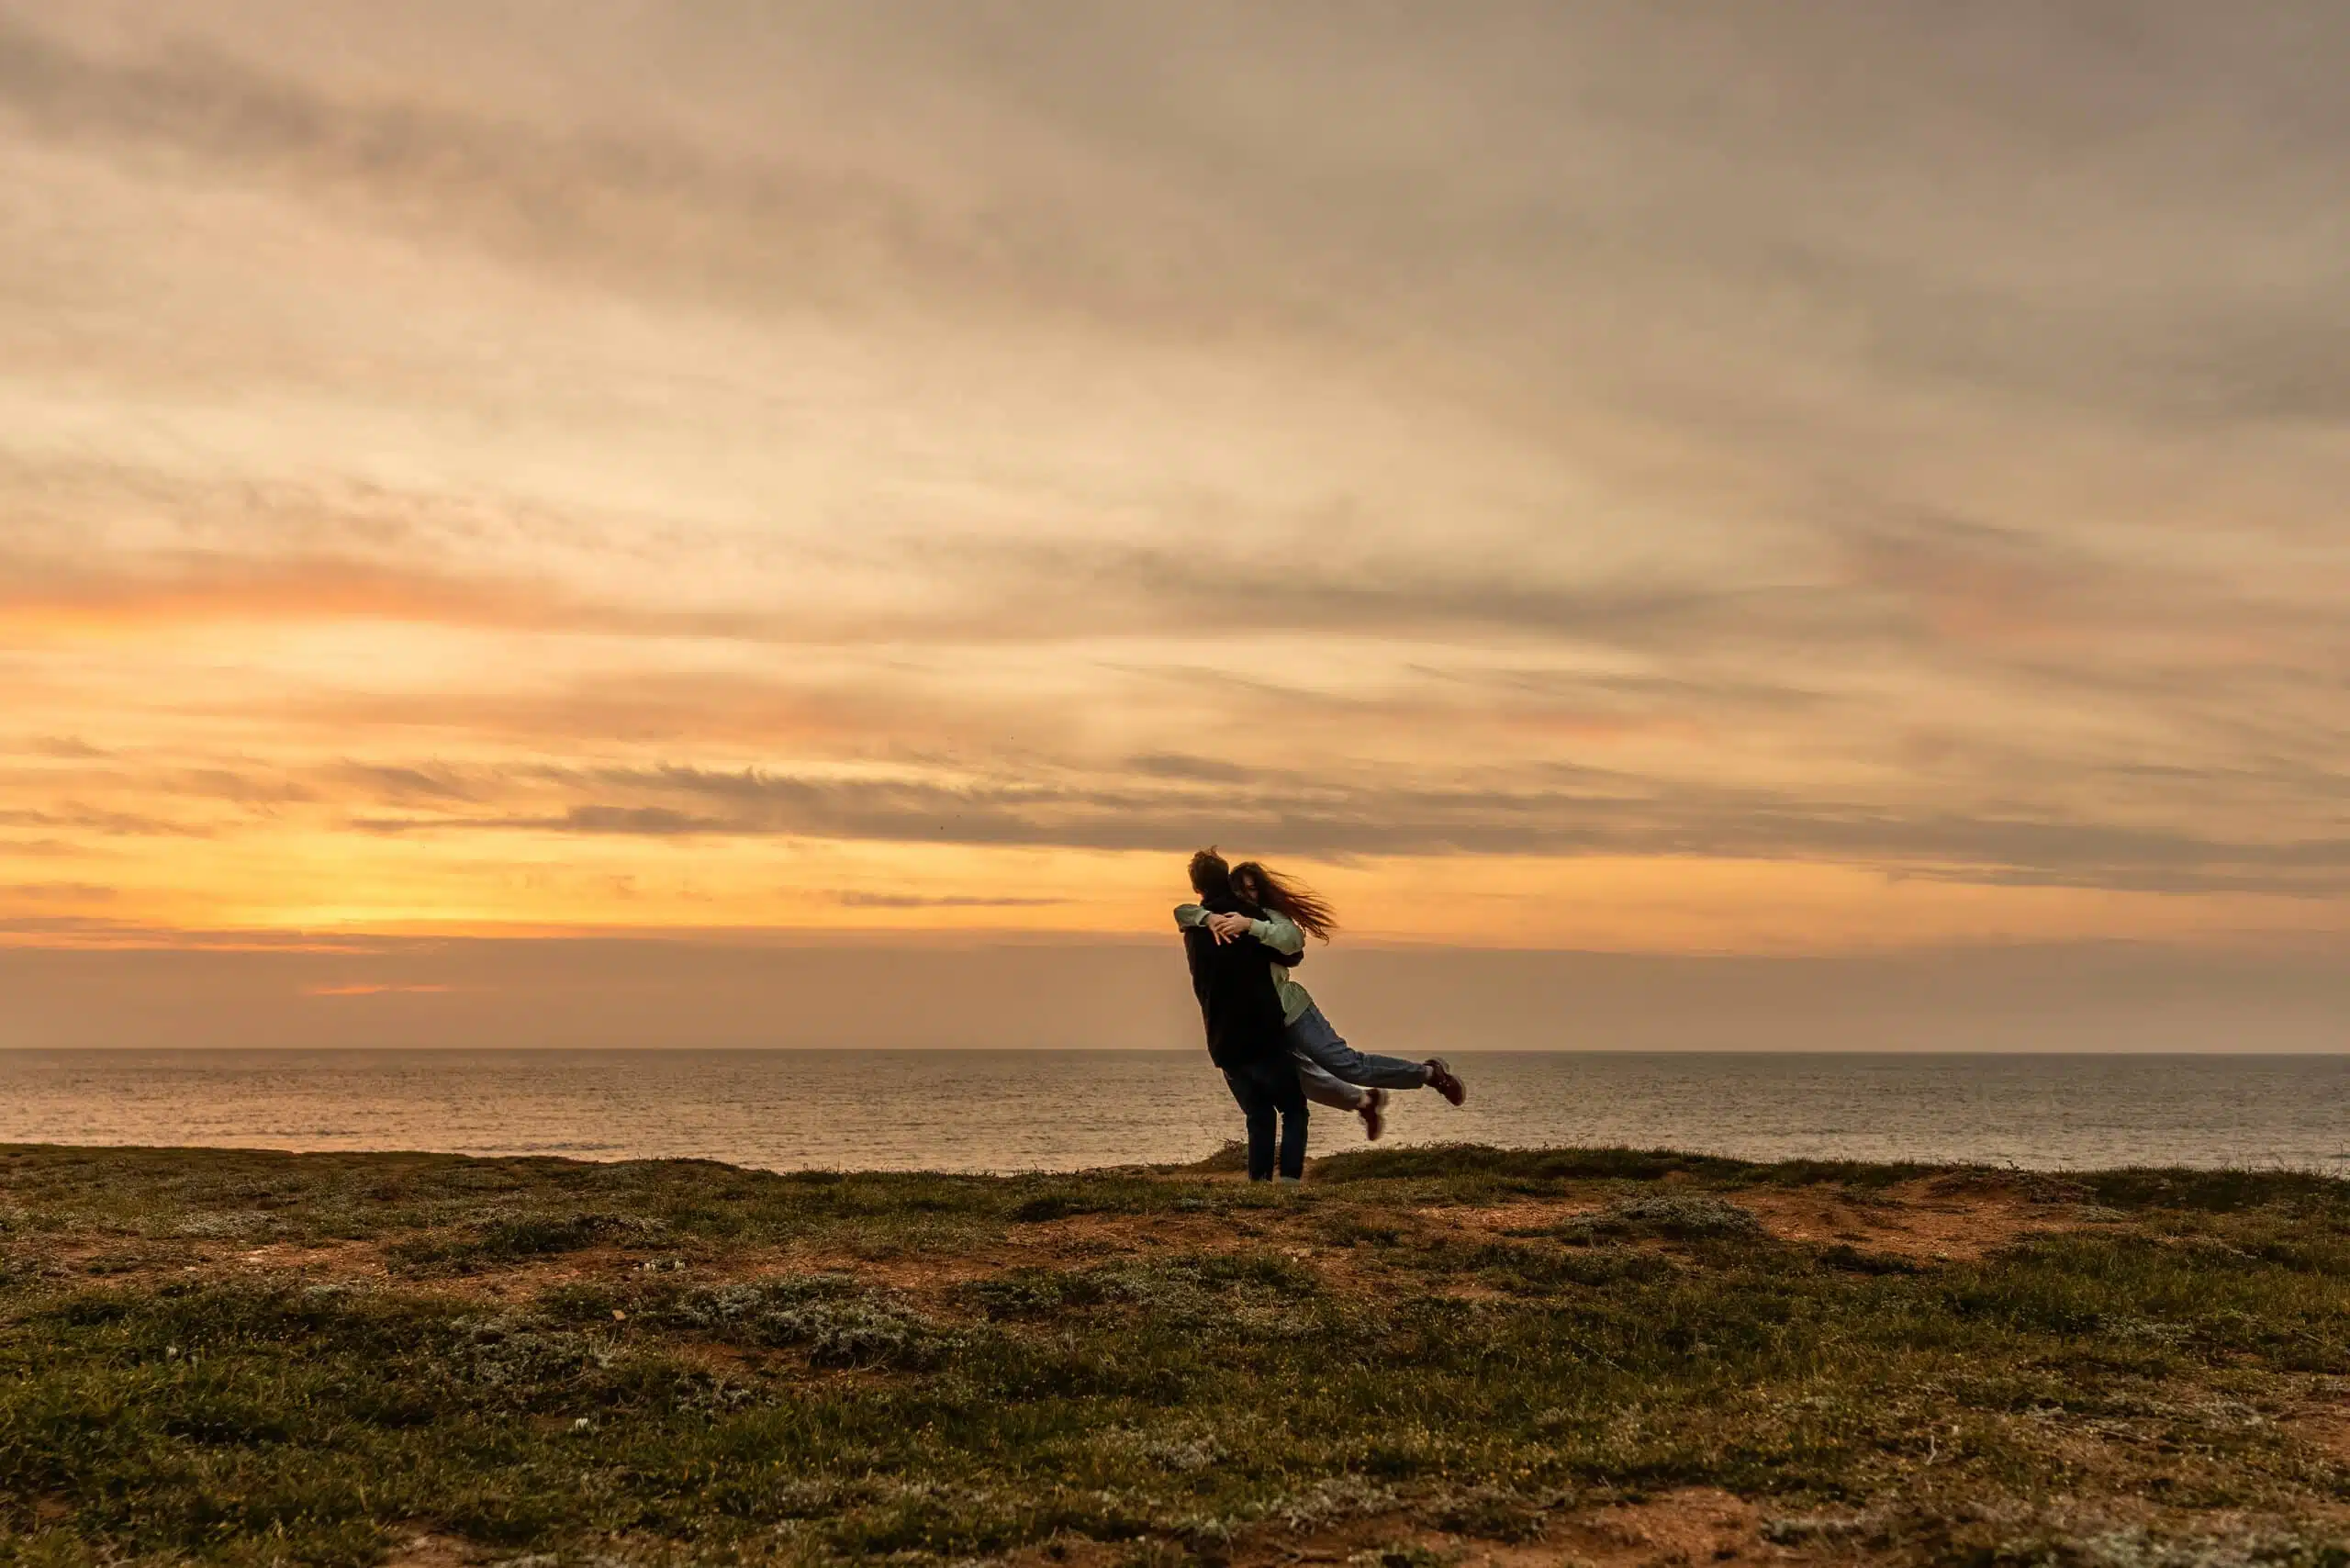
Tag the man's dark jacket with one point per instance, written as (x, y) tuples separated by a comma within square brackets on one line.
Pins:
[(1234, 981)]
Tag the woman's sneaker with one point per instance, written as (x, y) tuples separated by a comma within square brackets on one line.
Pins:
[(1373, 1111), (1445, 1082)]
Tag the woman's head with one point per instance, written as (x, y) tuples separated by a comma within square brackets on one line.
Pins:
[(1255, 882)]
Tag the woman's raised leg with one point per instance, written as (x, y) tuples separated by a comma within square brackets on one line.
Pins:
[(1312, 1039)]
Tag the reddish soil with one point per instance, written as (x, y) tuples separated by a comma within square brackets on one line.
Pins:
[(1928, 1222), (1687, 1528)]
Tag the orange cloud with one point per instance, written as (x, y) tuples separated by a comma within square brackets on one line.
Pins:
[(184, 588), (382, 989)]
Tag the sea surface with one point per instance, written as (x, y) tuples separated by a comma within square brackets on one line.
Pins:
[(1070, 1110)]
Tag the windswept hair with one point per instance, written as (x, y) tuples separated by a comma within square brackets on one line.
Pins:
[(1211, 877), (1309, 908)]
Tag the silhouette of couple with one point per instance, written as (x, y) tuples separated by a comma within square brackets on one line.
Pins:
[(1243, 939)]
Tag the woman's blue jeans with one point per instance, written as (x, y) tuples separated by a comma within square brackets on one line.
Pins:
[(1312, 1039)]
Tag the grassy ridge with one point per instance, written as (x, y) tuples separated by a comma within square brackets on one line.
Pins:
[(244, 1357)]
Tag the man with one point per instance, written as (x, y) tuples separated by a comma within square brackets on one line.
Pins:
[(1247, 1035)]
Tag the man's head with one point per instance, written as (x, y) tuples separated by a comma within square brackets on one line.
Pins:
[(1211, 877)]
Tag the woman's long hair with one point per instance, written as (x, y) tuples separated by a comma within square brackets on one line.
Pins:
[(1309, 908)]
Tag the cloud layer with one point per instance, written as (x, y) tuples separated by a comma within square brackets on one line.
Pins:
[(931, 463)]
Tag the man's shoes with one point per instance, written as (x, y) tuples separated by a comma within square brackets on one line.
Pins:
[(1373, 1111), (1289, 1181), (1445, 1082)]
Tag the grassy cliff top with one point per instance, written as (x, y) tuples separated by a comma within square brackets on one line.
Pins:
[(1450, 1355)]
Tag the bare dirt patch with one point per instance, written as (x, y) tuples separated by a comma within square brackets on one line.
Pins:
[(1688, 1528), (341, 1260), (1698, 1524), (426, 1550), (1099, 1234), (1530, 1214), (2323, 1421), (1076, 1241), (1915, 1220)]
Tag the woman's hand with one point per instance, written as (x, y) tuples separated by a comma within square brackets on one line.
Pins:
[(1228, 927)]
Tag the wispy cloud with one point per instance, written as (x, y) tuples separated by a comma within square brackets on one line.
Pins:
[(856, 900), (72, 748), (182, 588), (103, 823), (42, 849), (55, 892), (376, 989), (1614, 816)]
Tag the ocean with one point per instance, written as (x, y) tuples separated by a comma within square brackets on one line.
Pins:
[(1070, 1110)]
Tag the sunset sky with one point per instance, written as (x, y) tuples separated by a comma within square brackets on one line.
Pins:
[(1808, 484)]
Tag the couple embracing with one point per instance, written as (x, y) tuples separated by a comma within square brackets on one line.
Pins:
[(1242, 939)]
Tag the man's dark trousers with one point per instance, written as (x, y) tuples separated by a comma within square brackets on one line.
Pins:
[(1265, 1088)]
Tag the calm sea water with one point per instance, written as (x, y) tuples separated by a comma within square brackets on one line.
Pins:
[(1066, 1110)]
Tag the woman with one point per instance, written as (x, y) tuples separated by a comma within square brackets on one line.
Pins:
[(1331, 1071)]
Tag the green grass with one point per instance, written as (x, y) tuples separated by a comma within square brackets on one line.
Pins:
[(682, 1361)]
